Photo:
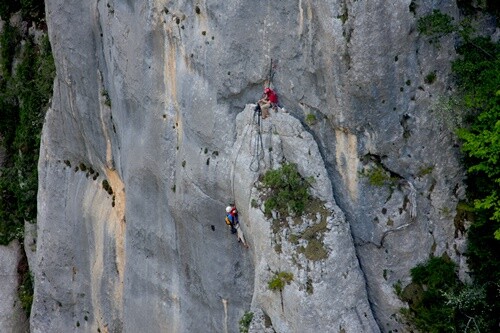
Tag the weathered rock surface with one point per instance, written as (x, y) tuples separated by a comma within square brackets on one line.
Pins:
[(145, 144), (12, 316), (326, 294)]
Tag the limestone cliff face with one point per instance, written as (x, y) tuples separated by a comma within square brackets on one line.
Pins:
[(147, 140)]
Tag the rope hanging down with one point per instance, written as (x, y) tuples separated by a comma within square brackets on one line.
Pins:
[(256, 141)]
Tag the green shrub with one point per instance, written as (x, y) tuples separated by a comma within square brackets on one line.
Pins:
[(23, 98), (435, 24), (33, 9), (310, 119), (315, 250), (377, 176), (430, 78), (289, 190), (424, 171), (478, 73), (9, 40), (245, 322), (439, 302), (280, 280)]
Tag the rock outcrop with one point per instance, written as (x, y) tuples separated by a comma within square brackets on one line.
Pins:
[(12, 316), (147, 140)]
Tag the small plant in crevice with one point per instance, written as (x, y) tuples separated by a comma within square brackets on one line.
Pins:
[(344, 16), (25, 288), (310, 119), (430, 78), (424, 171), (245, 321), (309, 286), (397, 288), (377, 176), (107, 100), (254, 203), (280, 280), (278, 283)]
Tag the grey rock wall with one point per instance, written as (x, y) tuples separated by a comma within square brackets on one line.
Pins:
[(12, 316), (145, 145)]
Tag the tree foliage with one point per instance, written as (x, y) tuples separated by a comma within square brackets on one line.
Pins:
[(446, 304), (24, 96), (439, 302), (478, 74)]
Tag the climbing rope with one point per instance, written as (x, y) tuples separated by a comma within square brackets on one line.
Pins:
[(258, 154), (258, 145)]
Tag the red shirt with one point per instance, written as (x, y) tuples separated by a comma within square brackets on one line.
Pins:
[(233, 212), (273, 98)]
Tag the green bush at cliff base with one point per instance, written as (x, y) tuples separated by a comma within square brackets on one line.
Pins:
[(31, 10), (24, 95), (478, 74), (439, 302)]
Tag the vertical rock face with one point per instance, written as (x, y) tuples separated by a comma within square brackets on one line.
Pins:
[(145, 144), (12, 316)]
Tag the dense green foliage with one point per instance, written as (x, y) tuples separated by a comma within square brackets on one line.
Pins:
[(24, 94), (289, 190), (30, 9), (9, 39), (478, 74), (439, 302)]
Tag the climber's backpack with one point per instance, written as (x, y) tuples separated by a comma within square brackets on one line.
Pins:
[(228, 221)]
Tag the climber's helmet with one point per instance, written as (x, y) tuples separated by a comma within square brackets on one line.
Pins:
[(228, 209)]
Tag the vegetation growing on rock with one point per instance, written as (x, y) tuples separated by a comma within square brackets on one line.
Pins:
[(25, 89), (289, 191), (441, 302), (245, 321)]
